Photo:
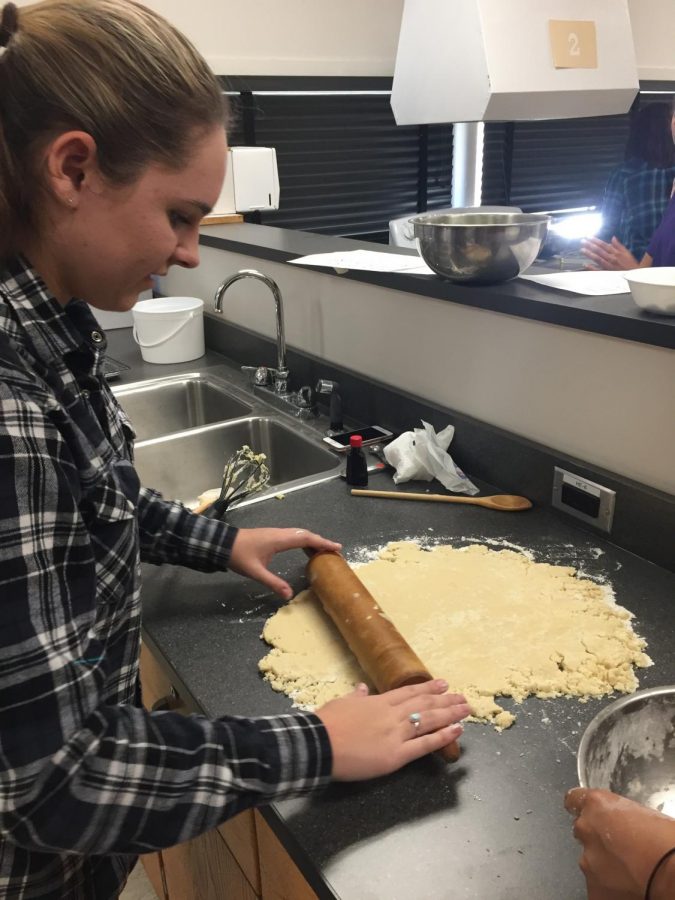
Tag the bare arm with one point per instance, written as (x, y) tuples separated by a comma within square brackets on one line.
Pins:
[(622, 843)]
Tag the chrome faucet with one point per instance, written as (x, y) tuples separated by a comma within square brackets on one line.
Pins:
[(281, 373)]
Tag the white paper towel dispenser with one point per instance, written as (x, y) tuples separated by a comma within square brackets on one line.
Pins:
[(513, 60), (251, 181)]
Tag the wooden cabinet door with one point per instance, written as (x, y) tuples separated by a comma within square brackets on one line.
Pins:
[(222, 863), (156, 686), (280, 877), (204, 869), (152, 863), (240, 836)]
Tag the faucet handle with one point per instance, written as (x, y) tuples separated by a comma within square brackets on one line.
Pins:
[(305, 397), (280, 380), (257, 374), (324, 386)]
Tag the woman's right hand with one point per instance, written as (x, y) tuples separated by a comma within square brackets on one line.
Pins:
[(622, 842), (611, 256), (374, 735)]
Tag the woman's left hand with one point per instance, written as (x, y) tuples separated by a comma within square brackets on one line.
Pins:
[(612, 256), (254, 548)]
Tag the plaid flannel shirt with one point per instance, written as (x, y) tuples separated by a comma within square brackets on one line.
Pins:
[(635, 200), (89, 779)]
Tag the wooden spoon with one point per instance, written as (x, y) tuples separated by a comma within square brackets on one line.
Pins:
[(504, 502)]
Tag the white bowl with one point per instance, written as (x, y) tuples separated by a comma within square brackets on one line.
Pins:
[(653, 289)]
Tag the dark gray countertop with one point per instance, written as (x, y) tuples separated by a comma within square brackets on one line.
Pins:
[(615, 316), (490, 826)]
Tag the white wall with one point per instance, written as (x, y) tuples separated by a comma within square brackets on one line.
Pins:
[(290, 37), (350, 37), (605, 400), (653, 23)]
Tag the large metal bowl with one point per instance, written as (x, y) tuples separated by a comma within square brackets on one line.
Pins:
[(479, 248), (629, 748)]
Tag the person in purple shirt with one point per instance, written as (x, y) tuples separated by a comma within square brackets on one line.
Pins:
[(638, 190), (660, 250)]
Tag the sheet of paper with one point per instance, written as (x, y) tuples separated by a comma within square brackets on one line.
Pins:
[(586, 282), (367, 261)]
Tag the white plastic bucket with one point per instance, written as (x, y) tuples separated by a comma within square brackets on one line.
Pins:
[(169, 329)]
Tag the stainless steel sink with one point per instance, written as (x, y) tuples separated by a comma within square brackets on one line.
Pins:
[(167, 405), (183, 466)]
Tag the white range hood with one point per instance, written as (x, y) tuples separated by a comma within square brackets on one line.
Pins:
[(513, 60)]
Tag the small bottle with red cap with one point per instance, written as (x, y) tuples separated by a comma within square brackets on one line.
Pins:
[(357, 466)]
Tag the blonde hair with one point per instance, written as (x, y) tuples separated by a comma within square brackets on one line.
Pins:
[(112, 68)]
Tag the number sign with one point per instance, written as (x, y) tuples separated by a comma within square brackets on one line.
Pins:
[(573, 44)]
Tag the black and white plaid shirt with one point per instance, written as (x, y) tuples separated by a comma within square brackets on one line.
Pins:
[(87, 778)]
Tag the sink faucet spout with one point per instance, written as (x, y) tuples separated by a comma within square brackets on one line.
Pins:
[(281, 372)]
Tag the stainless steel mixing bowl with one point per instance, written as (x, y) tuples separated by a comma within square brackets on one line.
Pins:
[(629, 748), (479, 248)]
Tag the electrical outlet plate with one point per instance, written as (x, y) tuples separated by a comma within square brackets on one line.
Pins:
[(585, 500)]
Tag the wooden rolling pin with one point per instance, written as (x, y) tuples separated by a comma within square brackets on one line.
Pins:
[(382, 652)]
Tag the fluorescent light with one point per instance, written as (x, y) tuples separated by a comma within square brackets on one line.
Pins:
[(579, 226)]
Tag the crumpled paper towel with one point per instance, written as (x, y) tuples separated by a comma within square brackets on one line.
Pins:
[(421, 455)]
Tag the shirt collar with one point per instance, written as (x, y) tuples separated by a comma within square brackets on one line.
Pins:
[(53, 330)]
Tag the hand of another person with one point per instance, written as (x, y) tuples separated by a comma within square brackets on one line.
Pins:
[(613, 256), (254, 548), (374, 735), (622, 842)]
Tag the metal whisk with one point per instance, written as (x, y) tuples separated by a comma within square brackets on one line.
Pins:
[(245, 473)]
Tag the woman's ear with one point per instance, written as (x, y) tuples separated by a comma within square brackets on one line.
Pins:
[(72, 162)]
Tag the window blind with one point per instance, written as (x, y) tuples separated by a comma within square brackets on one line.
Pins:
[(345, 167), (551, 165)]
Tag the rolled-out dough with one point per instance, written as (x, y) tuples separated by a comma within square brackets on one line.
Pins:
[(492, 623)]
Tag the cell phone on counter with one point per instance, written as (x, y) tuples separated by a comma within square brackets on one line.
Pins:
[(371, 434)]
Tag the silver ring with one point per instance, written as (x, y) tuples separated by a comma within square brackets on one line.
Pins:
[(415, 720)]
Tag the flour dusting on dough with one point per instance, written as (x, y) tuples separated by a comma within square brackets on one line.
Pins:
[(491, 622)]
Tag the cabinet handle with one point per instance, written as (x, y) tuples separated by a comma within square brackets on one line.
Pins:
[(168, 702)]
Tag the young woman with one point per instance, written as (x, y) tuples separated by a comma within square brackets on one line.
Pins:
[(637, 191), (647, 216), (112, 148)]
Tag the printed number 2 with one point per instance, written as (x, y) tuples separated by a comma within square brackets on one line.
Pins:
[(574, 45)]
